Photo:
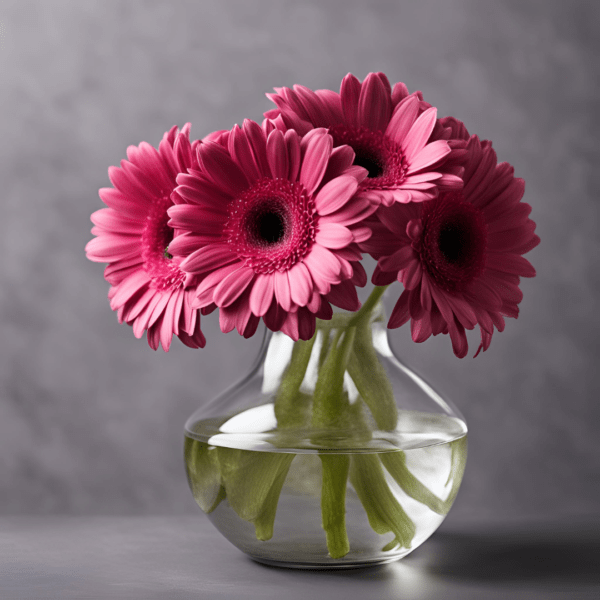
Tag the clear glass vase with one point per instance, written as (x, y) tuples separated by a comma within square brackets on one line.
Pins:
[(330, 453)]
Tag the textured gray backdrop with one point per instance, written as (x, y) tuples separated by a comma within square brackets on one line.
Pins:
[(91, 419)]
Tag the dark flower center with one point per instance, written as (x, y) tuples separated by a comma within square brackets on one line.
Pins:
[(271, 225), (366, 159), (266, 223), (454, 241), (382, 157)]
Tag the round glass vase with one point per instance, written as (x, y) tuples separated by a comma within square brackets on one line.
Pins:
[(330, 453)]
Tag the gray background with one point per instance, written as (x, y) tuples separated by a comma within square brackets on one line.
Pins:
[(91, 419)]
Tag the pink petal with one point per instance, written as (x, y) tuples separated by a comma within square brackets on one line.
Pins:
[(241, 152), (301, 286), (324, 263), (332, 235), (315, 160), (312, 105), (122, 203), (344, 296), (429, 155), (419, 134), (350, 94), (361, 234), (227, 319), (109, 220), (510, 263), (340, 161), (400, 314), (128, 287), (208, 258), (399, 92), (186, 243), (332, 106), (403, 119), (282, 289), (422, 178), (350, 213), (198, 219), (399, 260), (292, 142), (277, 155), (261, 294), (195, 188), (230, 288), (306, 324), (220, 167), (335, 194), (374, 104), (359, 276)]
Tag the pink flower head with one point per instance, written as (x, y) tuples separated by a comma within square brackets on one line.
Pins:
[(409, 154), (270, 224), (149, 290), (459, 256)]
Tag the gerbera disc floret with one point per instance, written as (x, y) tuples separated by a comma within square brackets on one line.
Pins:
[(270, 223)]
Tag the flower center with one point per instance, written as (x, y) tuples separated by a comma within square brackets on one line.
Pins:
[(381, 156), (271, 226), (454, 241), (267, 222), (157, 236)]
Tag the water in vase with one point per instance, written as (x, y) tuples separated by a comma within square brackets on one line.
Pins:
[(263, 491)]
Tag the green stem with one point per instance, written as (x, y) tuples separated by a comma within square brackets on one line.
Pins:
[(367, 308), (333, 502)]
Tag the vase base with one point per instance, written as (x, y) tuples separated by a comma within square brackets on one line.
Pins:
[(315, 566)]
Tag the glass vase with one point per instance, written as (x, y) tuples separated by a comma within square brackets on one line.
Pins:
[(330, 453)]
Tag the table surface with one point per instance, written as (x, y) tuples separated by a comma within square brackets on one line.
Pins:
[(148, 558)]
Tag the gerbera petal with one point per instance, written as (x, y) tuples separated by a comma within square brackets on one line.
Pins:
[(374, 104), (429, 155), (208, 258), (292, 142), (261, 294), (301, 286), (241, 152), (335, 194), (230, 288), (282, 289), (349, 95), (277, 155), (220, 167), (315, 160), (344, 296), (510, 263), (400, 313), (419, 133), (399, 260), (403, 119)]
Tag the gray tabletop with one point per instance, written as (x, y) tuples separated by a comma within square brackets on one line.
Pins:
[(185, 557)]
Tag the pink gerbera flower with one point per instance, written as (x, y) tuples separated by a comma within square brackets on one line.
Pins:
[(271, 225), (459, 256), (149, 290), (409, 154)]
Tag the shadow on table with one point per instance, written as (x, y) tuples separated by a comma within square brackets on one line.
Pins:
[(544, 555)]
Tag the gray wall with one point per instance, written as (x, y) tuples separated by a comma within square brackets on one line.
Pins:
[(91, 419)]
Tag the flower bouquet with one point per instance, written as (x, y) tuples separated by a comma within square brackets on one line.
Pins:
[(270, 222)]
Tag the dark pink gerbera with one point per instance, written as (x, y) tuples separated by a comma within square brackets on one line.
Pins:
[(270, 224), (459, 256), (409, 154), (149, 290)]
